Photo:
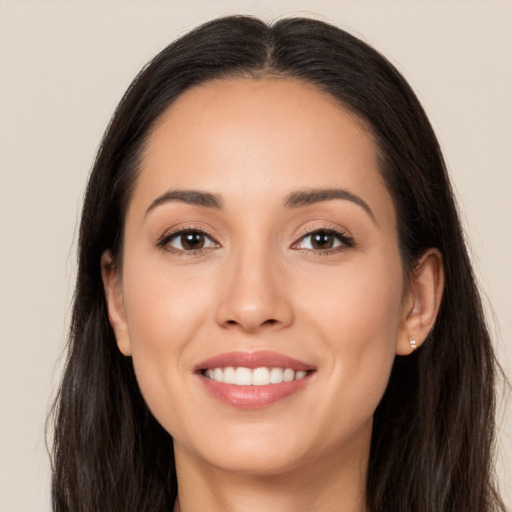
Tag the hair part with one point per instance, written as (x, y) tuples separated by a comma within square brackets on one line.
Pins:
[(432, 439)]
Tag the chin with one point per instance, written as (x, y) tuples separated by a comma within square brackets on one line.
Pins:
[(261, 451), (272, 462)]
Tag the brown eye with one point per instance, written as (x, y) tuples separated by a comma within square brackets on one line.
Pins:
[(324, 240), (192, 240), (188, 241)]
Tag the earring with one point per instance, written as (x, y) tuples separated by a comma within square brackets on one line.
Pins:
[(412, 343)]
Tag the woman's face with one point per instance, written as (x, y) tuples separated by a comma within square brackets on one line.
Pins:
[(260, 234)]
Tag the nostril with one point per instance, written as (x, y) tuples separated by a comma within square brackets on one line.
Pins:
[(269, 322)]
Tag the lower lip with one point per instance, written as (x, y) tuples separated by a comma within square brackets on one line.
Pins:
[(252, 397)]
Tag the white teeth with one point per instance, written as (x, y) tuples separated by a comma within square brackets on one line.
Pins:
[(276, 376), (260, 377), (263, 376), (288, 375), (243, 376), (229, 375)]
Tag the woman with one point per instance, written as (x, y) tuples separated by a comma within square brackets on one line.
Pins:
[(275, 308)]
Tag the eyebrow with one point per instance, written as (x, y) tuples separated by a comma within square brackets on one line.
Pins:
[(293, 200), (194, 197), (312, 196)]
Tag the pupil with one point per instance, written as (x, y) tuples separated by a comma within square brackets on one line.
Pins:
[(192, 240), (322, 240)]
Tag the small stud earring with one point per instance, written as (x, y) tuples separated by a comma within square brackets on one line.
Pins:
[(412, 343)]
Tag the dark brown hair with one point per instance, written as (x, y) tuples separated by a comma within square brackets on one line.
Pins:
[(433, 430)]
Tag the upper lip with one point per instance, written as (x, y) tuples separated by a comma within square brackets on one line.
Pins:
[(252, 360)]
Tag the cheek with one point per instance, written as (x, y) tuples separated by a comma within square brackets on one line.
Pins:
[(359, 303), (165, 309), (163, 304), (357, 316)]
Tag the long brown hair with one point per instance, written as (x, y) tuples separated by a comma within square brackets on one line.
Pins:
[(431, 447)]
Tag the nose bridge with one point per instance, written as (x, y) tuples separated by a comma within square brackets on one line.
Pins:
[(253, 292)]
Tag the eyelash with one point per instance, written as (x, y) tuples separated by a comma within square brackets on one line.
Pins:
[(346, 242), (163, 242)]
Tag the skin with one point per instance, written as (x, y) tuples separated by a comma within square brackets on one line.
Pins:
[(259, 284)]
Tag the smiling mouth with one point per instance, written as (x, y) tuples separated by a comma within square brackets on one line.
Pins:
[(263, 376), (253, 380)]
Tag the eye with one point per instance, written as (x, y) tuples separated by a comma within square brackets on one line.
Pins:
[(324, 240), (187, 240)]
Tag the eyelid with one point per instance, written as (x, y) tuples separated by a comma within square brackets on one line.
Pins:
[(164, 240), (322, 225), (345, 238)]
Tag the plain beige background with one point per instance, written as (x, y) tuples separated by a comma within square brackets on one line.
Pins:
[(63, 67)]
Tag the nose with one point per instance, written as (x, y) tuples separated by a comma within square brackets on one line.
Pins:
[(253, 294)]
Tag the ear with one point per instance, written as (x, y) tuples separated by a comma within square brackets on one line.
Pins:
[(112, 285), (422, 302)]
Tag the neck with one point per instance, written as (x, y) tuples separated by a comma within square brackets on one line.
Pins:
[(332, 484)]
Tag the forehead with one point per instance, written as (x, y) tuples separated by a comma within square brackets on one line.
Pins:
[(278, 111), (249, 137)]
